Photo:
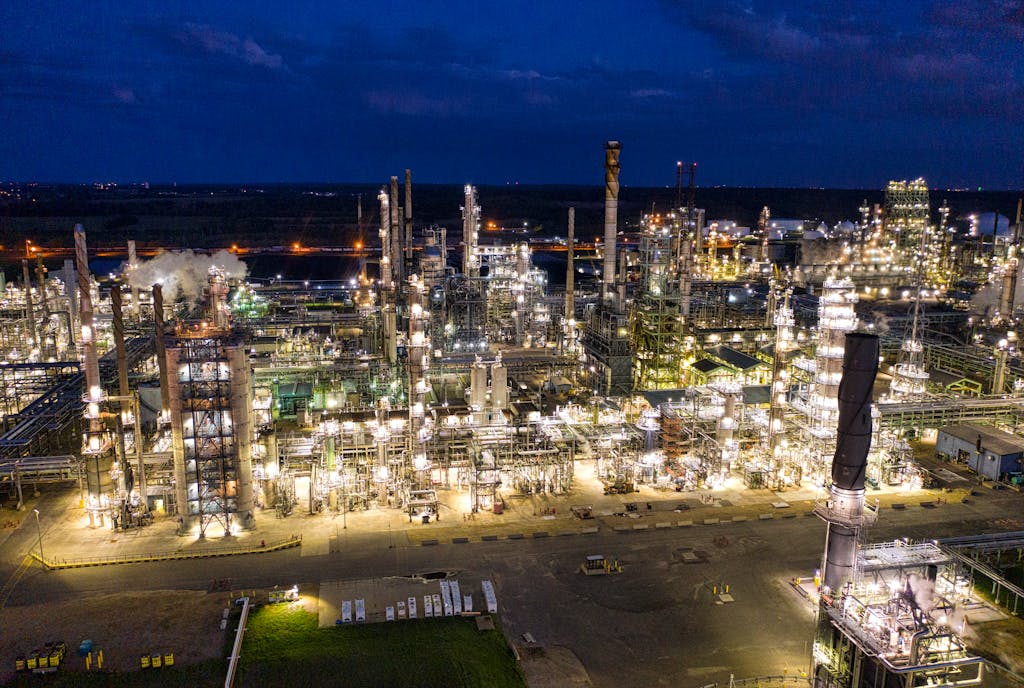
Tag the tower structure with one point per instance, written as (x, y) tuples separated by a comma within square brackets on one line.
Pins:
[(470, 233), (611, 217), (909, 377), (836, 317), (905, 221), (210, 404), (606, 341), (888, 614), (657, 316)]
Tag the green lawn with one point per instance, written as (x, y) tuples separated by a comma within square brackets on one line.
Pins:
[(283, 646)]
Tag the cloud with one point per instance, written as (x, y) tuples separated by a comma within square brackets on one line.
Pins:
[(215, 42), (413, 103), (868, 59), (651, 93)]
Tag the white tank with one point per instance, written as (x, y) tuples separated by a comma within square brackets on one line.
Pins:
[(499, 386)]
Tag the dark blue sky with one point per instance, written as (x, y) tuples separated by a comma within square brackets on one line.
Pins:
[(787, 93)]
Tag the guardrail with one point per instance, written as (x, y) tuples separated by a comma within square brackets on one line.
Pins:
[(139, 558), (762, 682), (229, 680)]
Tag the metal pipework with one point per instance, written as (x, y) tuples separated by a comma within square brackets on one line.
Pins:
[(611, 216), (844, 511)]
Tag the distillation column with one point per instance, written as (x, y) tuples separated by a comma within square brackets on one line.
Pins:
[(97, 462), (1011, 269), (397, 264), (419, 346), (386, 284), (780, 381), (470, 233)]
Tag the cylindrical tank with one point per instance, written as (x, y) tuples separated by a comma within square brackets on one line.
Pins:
[(478, 385), (499, 386)]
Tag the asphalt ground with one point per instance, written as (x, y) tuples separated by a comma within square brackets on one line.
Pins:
[(658, 623)]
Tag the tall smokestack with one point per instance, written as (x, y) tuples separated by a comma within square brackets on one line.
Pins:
[(844, 510), (611, 216), (161, 350), (396, 245), (570, 270), (408, 222)]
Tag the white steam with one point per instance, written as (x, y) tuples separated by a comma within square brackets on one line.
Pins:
[(183, 274)]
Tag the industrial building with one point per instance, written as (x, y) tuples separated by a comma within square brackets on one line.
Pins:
[(991, 453), (450, 372)]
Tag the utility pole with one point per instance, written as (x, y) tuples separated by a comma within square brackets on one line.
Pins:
[(39, 531)]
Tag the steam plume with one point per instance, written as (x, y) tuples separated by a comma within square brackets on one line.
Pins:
[(183, 274)]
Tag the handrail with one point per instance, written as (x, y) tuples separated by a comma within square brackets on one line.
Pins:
[(229, 680)]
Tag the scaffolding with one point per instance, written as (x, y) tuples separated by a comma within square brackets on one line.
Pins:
[(210, 424), (657, 317)]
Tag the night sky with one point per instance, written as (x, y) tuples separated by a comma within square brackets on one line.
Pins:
[(843, 94)]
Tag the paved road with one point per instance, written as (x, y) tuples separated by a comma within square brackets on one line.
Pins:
[(656, 624)]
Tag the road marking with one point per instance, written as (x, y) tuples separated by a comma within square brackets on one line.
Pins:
[(12, 582)]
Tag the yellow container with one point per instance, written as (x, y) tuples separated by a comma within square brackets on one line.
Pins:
[(32, 663), (155, 661), (144, 661), (169, 659), (44, 662), (19, 664), (55, 659)]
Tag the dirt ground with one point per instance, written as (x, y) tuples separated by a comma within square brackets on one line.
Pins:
[(184, 622), (553, 667)]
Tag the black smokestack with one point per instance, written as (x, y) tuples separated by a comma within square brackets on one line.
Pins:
[(860, 366), (844, 510)]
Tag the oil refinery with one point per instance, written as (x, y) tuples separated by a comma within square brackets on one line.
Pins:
[(449, 376)]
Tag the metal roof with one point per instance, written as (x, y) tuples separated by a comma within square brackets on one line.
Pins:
[(993, 440)]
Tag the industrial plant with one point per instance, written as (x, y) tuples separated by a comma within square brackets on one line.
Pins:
[(450, 374), (445, 368)]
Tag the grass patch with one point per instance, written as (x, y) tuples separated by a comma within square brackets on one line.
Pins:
[(283, 646)]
